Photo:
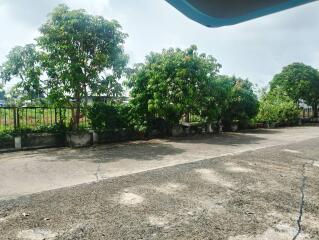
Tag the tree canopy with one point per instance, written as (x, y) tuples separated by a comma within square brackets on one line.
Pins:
[(172, 83), (78, 55), (241, 102), (300, 82), (23, 64), (276, 106), (77, 48)]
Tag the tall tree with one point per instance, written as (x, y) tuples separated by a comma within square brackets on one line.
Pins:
[(241, 103), (172, 83), (300, 82), (77, 49), (23, 64)]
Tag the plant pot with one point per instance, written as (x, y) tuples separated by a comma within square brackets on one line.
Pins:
[(79, 139), (234, 127)]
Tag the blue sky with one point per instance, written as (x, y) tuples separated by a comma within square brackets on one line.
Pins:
[(256, 50)]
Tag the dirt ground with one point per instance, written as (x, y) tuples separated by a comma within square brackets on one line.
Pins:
[(246, 186)]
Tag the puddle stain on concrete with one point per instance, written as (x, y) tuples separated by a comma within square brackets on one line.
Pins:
[(211, 176), (170, 188), (128, 198), (235, 168), (36, 234), (158, 221)]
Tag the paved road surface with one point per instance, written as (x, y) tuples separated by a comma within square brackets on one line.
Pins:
[(35, 171), (270, 193)]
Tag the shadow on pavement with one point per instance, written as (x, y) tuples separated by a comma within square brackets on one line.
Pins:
[(138, 151), (229, 139)]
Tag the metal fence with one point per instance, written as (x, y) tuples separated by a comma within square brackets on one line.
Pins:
[(306, 113), (33, 117)]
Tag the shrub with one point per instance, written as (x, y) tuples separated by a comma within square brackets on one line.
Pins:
[(106, 117), (276, 107), (241, 103), (57, 128)]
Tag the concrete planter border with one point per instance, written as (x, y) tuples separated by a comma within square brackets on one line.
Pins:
[(7, 143), (41, 140), (79, 139)]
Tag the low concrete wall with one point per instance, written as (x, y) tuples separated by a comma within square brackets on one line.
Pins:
[(7, 143), (84, 139), (118, 136), (42, 140)]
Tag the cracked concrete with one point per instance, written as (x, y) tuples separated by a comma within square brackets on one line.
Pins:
[(277, 199), (302, 200), (177, 203)]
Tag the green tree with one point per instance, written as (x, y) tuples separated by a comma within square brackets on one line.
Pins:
[(276, 106), (217, 96), (241, 103), (171, 84), (16, 95), (300, 82), (77, 48), (108, 86), (109, 117), (23, 64), (2, 92)]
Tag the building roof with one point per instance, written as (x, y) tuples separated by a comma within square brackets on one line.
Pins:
[(216, 13)]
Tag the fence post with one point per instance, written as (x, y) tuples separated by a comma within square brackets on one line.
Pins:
[(55, 117), (14, 117), (18, 118), (17, 143), (61, 120)]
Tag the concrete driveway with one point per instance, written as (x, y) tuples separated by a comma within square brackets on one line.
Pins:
[(266, 192), (29, 172)]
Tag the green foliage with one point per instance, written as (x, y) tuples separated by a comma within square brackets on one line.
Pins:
[(105, 117), (77, 48), (299, 82), (170, 84), (2, 92), (240, 103), (57, 128), (277, 107), (108, 86), (23, 63), (218, 93)]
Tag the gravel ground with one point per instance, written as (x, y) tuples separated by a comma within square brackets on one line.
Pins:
[(24, 173), (263, 194)]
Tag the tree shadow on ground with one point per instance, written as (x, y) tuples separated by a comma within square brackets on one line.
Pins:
[(138, 151), (229, 139), (261, 131), (153, 149)]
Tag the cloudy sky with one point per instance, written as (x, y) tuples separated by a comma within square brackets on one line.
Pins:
[(256, 50)]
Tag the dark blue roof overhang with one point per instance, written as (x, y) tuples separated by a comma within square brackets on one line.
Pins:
[(216, 13)]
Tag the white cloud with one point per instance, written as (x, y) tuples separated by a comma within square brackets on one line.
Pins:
[(257, 49)]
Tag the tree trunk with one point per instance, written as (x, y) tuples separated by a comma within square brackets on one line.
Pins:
[(187, 117), (209, 128), (77, 113), (315, 110)]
